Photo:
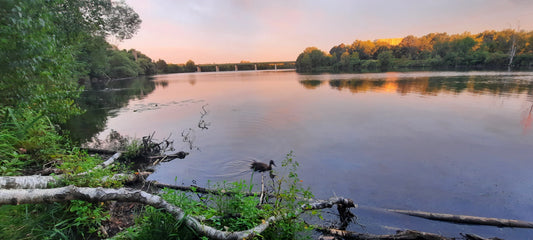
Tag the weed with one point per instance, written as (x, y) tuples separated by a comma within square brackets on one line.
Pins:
[(240, 211), (157, 224)]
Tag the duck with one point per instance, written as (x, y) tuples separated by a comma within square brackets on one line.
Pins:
[(262, 167)]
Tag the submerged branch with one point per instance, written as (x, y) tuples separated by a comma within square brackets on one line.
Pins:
[(465, 219), (405, 235)]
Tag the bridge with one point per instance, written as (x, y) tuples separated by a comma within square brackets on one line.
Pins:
[(245, 66)]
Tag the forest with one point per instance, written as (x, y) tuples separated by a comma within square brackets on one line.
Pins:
[(490, 49)]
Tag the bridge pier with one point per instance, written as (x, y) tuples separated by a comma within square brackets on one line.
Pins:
[(217, 69), (236, 68), (198, 69), (255, 67), (275, 67)]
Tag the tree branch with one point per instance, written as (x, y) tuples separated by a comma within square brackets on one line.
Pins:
[(25, 196), (465, 219), (404, 235)]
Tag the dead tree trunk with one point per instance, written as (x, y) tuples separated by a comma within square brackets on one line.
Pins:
[(25, 196), (38, 181), (513, 48), (464, 219), (404, 235)]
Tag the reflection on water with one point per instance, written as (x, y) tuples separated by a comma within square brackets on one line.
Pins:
[(100, 102), (429, 85), (451, 142)]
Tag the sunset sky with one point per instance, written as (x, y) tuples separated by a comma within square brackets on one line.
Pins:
[(215, 31)]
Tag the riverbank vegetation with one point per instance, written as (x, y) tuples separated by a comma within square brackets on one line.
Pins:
[(48, 51), (490, 49)]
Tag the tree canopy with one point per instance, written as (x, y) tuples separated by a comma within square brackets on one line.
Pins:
[(485, 49)]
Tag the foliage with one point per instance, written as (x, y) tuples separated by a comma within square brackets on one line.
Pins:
[(71, 220), (190, 66), (32, 57), (486, 49), (161, 66), (81, 170), (122, 66), (27, 140), (290, 195), (156, 224), (79, 219), (232, 209)]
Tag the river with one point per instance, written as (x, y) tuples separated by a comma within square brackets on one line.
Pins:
[(449, 142)]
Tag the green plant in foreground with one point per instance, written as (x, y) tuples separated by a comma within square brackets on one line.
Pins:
[(157, 224), (27, 140), (232, 209), (290, 195), (81, 170)]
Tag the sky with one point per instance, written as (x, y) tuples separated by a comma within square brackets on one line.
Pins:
[(230, 31)]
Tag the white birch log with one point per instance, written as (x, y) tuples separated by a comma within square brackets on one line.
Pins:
[(321, 204), (38, 181), (26, 196), (465, 219), (27, 182)]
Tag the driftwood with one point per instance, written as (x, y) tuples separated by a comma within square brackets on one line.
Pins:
[(99, 151), (111, 160), (25, 196), (27, 182), (404, 235), (469, 236), (464, 219), (38, 181), (165, 158)]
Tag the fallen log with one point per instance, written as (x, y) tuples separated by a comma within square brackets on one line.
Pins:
[(321, 204), (27, 182), (38, 181), (111, 160), (27, 196), (404, 235), (180, 155), (99, 151), (465, 219)]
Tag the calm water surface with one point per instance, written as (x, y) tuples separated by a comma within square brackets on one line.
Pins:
[(450, 142)]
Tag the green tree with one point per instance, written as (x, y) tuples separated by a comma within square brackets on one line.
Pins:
[(385, 60), (148, 67), (355, 62), (365, 49), (94, 58), (303, 63), (36, 68), (47, 45), (344, 63), (175, 68), (161, 66), (190, 66), (121, 66), (337, 51)]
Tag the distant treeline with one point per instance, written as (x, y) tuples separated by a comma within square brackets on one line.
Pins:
[(489, 49), (105, 61)]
